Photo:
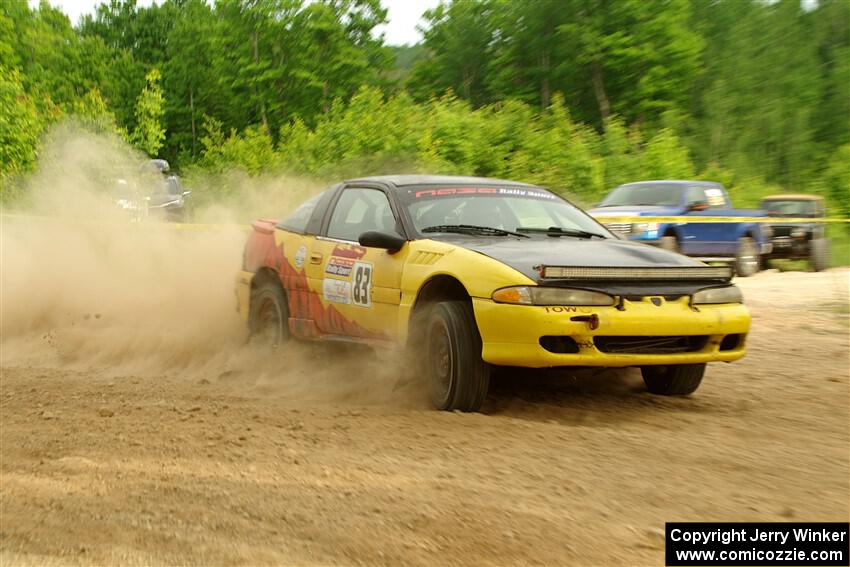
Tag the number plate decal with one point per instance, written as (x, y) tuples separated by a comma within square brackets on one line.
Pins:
[(361, 284)]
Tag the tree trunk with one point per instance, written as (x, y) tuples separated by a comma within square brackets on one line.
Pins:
[(261, 102), (599, 91), (192, 107), (545, 94)]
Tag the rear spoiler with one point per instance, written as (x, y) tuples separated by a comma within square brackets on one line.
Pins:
[(266, 226)]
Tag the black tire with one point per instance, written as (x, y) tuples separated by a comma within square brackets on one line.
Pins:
[(268, 319), (458, 379), (747, 259), (670, 243), (673, 380), (819, 254)]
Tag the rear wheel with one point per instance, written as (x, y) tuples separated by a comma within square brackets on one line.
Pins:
[(458, 379), (268, 319), (674, 379), (819, 254), (747, 258)]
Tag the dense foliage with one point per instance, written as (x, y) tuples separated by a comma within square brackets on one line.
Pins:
[(579, 95)]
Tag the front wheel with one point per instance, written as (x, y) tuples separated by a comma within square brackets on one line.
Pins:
[(268, 318), (670, 243), (819, 254), (674, 379), (747, 258), (458, 379)]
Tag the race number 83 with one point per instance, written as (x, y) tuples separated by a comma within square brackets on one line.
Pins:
[(361, 288)]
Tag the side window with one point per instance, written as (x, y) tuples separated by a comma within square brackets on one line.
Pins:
[(716, 198), (358, 211), (695, 194), (298, 219), (174, 186)]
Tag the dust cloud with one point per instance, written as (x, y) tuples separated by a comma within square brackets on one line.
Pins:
[(85, 288)]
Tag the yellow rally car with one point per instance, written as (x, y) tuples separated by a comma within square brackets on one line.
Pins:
[(471, 272)]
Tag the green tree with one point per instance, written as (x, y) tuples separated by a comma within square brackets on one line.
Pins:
[(149, 132), (457, 48), (20, 128)]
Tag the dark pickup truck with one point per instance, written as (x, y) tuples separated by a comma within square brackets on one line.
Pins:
[(740, 242), (797, 240)]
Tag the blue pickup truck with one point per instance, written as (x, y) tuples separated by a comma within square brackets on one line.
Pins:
[(740, 242)]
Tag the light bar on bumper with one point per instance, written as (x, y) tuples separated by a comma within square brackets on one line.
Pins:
[(621, 274), (534, 295)]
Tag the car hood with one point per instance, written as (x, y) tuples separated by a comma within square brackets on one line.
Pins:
[(527, 255), (634, 211)]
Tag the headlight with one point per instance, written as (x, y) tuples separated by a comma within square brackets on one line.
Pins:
[(728, 294), (535, 295), (639, 227)]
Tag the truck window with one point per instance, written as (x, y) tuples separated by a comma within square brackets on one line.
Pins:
[(716, 198), (644, 194), (696, 194)]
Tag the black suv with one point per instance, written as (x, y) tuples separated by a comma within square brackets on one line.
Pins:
[(798, 240)]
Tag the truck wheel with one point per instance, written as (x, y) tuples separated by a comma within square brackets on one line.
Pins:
[(458, 379), (669, 243), (268, 318), (747, 258), (673, 380), (819, 254)]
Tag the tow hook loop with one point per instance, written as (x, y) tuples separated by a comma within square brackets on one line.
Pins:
[(592, 320)]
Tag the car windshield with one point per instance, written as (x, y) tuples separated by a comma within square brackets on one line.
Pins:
[(659, 194), (790, 208), (524, 209)]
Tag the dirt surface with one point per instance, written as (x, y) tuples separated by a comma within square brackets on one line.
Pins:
[(153, 447)]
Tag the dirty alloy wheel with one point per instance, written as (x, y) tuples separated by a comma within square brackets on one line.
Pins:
[(458, 379), (747, 259), (269, 315)]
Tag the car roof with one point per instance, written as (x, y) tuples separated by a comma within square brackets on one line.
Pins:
[(793, 197), (406, 180), (674, 181)]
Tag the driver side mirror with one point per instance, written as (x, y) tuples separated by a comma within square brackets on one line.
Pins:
[(392, 243), (697, 206)]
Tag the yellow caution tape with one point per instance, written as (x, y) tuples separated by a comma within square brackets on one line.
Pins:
[(699, 220), (601, 218)]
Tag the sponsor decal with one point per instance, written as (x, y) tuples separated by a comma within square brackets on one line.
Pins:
[(511, 192), (361, 287), (337, 291), (559, 309), (339, 267), (354, 251), (299, 256)]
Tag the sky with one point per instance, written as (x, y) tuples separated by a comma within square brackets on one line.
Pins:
[(403, 16)]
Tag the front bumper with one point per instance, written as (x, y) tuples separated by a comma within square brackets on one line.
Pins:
[(511, 334), (789, 247)]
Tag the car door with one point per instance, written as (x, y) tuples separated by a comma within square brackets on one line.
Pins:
[(701, 238), (360, 286), (692, 236)]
